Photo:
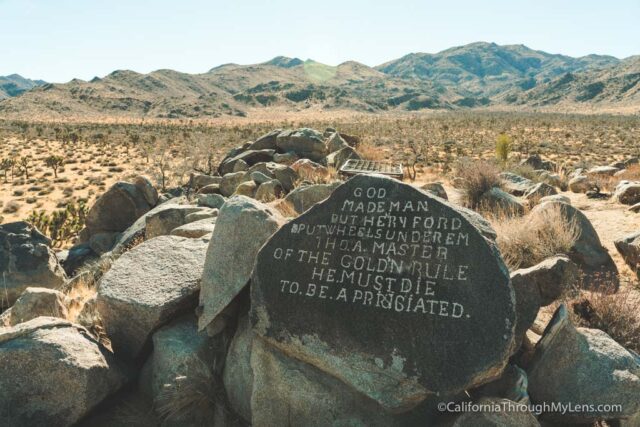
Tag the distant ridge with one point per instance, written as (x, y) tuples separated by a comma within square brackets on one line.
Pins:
[(477, 75), (15, 85)]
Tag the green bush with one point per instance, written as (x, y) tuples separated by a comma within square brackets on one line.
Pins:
[(503, 147)]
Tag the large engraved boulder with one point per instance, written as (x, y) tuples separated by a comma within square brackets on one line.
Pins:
[(391, 290)]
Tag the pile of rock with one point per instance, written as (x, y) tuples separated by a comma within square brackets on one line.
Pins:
[(380, 304), (272, 166)]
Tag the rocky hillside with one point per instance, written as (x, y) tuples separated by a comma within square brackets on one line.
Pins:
[(471, 76), (486, 69), (15, 85), (619, 84)]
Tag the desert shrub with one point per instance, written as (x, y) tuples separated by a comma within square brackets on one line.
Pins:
[(524, 170), (476, 178), (80, 293), (12, 207), (503, 147), (370, 151), (616, 313), (195, 394), (526, 241), (286, 209), (632, 173)]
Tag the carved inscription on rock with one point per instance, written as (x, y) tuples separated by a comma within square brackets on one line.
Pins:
[(382, 277)]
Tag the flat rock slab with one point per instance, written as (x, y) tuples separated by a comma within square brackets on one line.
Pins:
[(388, 288), (242, 227), (148, 286)]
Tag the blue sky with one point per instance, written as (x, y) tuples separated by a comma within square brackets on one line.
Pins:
[(57, 40)]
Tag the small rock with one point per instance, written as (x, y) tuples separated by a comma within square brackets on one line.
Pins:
[(536, 162), (148, 190), (285, 158), (303, 198), (200, 215), (210, 189), (260, 178), (196, 229), (512, 385), (347, 153), (181, 357), (629, 248), (199, 180), (538, 191), (627, 192), (239, 166), (214, 201), (515, 184), (231, 181), (309, 170), (539, 286), (248, 189), (238, 376), (35, 302), (501, 200), (601, 171), (161, 223), (436, 189), (580, 184), (266, 141), (335, 143), (587, 252), (269, 191)]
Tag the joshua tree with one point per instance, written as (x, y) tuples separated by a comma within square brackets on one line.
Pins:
[(24, 164), (7, 165), (54, 162)]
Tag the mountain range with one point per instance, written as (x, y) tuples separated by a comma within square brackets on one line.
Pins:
[(15, 85), (477, 75)]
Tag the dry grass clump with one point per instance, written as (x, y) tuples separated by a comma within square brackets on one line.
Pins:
[(194, 396), (524, 170), (617, 314), (632, 173), (286, 209), (527, 241), (81, 292), (368, 151), (476, 177)]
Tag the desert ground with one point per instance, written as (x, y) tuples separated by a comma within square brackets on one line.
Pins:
[(95, 155)]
